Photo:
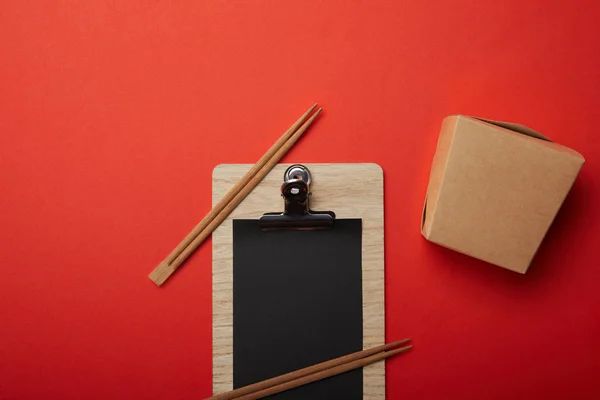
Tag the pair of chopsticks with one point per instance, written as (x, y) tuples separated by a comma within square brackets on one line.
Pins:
[(314, 373), (233, 198)]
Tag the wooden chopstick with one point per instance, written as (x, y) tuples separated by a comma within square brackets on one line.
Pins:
[(233, 197), (314, 373), (323, 374)]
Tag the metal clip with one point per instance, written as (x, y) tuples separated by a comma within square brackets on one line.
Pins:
[(297, 214)]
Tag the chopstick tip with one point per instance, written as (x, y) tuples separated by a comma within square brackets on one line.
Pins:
[(397, 343), (398, 351), (313, 107)]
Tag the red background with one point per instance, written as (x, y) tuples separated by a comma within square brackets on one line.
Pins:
[(113, 115)]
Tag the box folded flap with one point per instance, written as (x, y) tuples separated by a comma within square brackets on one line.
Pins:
[(436, 174), (516, 128)]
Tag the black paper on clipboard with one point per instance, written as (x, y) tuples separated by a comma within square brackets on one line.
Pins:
[(297, 301)]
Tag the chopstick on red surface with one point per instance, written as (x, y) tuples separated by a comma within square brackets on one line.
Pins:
[(233, 198), (314, 373)]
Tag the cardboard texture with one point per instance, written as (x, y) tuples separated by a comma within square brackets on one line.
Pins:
[(494, 189)]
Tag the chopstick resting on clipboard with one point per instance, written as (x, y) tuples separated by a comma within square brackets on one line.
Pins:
[(233, 198), (314, 373)]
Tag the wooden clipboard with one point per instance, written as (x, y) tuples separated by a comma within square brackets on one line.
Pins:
[(352, 191)]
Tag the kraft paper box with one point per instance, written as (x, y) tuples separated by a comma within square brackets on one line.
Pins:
[(494, 190)]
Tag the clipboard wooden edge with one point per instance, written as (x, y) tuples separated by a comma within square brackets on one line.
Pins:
[(351, 191)]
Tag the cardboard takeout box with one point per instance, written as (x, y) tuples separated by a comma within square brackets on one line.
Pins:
[(494, 189)]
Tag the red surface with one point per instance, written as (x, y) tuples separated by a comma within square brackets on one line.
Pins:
[(113, 115)]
